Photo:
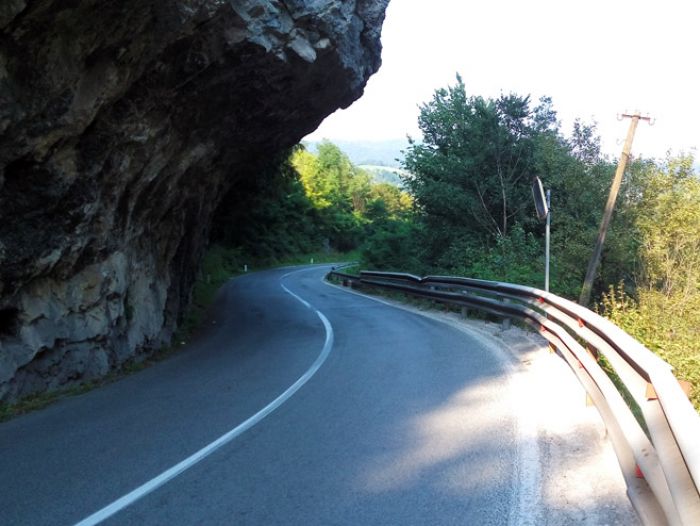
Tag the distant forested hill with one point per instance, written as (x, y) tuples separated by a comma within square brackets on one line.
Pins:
[(384, 174), (372, 153)]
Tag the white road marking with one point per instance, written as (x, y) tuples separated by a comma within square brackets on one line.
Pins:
[(190, 461), (526, 507), (303, 301)]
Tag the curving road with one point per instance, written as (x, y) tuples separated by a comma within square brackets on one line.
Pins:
[(301, 404)]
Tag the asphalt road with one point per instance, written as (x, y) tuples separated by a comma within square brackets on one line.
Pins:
[(392, 418)]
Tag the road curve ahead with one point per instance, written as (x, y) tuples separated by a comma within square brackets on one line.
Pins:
[(300, 404)]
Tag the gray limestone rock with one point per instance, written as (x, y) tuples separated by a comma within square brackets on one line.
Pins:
[(122, 125)]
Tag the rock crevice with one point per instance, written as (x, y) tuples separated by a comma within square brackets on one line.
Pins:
[(123, 124)]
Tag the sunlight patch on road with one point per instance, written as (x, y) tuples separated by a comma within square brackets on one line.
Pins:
[(453, 446)]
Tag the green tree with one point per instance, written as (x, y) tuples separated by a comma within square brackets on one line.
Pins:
[(471, 177), (668, 218), (272, 214), (471, 174), (579, 178), (330, 179), (393, 245), (349, 205), (394, 202), (662, 310), (327, 179), (474, 166)]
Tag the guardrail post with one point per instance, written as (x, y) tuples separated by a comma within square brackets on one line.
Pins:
[(505, 324), (465, 309)]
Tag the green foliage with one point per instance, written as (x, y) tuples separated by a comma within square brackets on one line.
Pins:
[(471, 180), (392, 246), (668, 326), (388, 201), (579, 180), (339, 192), (473, 215), (663, 310), (218, 265), (474, 167), (268, 216), (303, 204), (516, 258), (668, 221)]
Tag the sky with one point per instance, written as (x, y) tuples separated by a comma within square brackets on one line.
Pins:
[(596, 59)]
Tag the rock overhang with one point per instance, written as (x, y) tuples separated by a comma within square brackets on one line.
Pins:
[(123, 124)]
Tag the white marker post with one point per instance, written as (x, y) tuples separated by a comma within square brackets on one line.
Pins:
[(542, 205), (546, 253)]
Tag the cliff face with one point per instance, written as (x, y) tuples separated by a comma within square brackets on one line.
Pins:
[(122, 124)]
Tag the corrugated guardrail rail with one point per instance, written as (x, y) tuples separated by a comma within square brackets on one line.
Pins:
[(665, 447)]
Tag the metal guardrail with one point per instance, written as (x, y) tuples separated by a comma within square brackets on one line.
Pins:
[(666, 449)]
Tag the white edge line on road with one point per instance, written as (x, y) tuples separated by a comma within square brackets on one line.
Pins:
[(193, 459), (303, 301)]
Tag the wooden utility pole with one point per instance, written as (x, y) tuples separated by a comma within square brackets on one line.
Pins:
[(607, 214)]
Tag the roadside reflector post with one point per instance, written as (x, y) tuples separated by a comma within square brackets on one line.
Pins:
[(543, 208)]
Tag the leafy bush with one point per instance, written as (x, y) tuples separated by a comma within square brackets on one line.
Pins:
[(393, 246), (516, 258), (664, 311), (668, 326)]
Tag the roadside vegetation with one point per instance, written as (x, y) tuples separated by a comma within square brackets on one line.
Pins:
[(465, 208), (473, 216)]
